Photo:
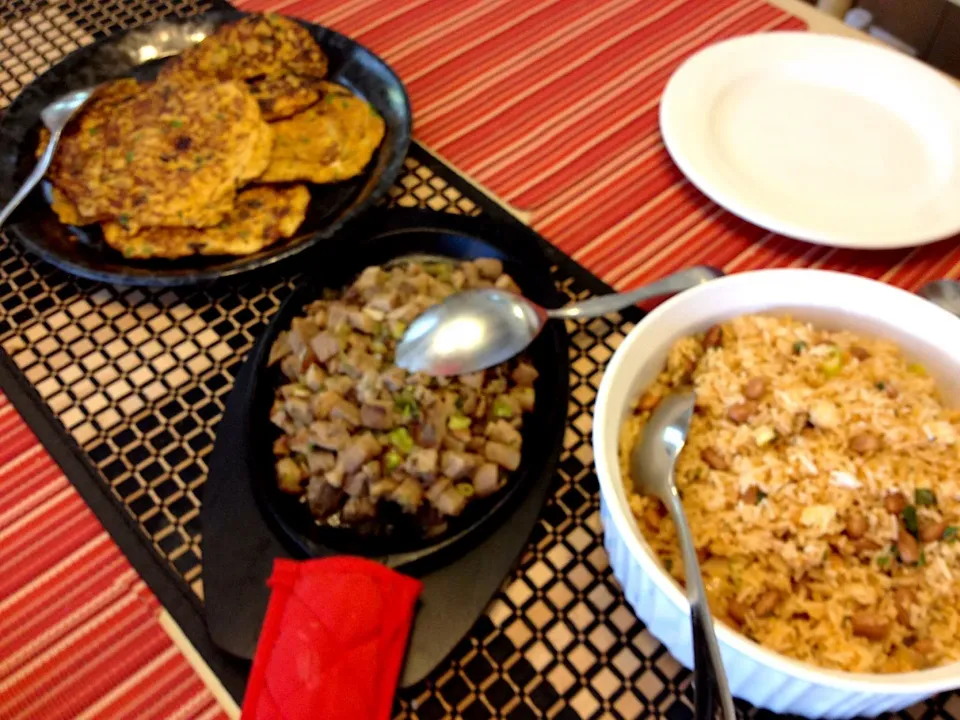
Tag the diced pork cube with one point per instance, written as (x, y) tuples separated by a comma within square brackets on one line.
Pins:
[(503, 455)]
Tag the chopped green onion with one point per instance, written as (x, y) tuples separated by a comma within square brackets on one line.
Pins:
[(401, 440), (397, 329), (764, 435), (881, 385), (761, 496), (668, 564), (124, 220), (176, 123), (129, 157), (458, 422), (883, 561), (407, 405), (93, 130), (378, 347), (910, 519), (799, 346), (949, 534), (441, 271), (925, 497), (392, 460), (923, 558), (502, 408), (833, 362)]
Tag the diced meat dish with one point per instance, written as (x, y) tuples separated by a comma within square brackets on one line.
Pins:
[(361, 439)]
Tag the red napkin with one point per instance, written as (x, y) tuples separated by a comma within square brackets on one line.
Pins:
[(332, 642)]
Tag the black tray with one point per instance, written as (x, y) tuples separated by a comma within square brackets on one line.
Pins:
[(247, 522), (81, 251)]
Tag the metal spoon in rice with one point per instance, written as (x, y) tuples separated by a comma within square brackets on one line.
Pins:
[(652, 463)]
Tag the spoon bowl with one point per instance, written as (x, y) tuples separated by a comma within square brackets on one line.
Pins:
[(477, 329), (55, 117)]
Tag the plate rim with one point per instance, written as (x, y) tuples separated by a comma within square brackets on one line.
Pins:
[(733, 201), (376, 233), (159, 276)]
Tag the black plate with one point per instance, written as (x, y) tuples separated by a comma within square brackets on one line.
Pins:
[(456, 238), (81, 251), (246, 521)]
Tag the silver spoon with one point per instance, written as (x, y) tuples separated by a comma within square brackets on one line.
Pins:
[(477, 329), (55, 116), (652, 463), (945, 293)]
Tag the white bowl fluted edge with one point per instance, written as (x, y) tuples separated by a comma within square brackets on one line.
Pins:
[(761, 686), (834, 300)]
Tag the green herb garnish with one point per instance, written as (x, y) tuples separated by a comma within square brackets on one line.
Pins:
[(94, 130), (761, 496), (833, 363), (949, 534), (909, 516), (129, 156), (925, 497), (799, 346), (400, 439), (124, 220), (176, 123), (668, 564), (407, 405), (458, 422), (923, 558), (502, 408), (881, 386), (392, 460), (883, 561)]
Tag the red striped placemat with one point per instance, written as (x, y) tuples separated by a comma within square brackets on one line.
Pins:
[(79, 636), (553, 105)]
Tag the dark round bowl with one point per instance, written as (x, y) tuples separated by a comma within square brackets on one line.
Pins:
[(81, 251), (396, 234)]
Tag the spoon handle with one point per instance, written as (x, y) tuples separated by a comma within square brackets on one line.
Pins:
[(31, 182), (708, 664), (604, 304)]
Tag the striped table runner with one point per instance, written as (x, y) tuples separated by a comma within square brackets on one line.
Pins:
[(552, 104), (79, 636)]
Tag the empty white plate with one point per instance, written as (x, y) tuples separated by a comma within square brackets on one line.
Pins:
[(826, 139)]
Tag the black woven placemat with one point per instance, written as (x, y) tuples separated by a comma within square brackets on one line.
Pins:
[(126, 386)]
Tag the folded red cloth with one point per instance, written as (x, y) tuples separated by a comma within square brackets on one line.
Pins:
[(332, 642)]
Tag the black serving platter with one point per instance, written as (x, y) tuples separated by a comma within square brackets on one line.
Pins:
[(140, 53), (247, 522)]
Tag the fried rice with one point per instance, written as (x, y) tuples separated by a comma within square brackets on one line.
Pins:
[(822, 485)]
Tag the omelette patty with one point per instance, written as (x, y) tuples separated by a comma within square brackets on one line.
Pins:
[(262, 216), (276, 57), (330, 141), (171, 157), (79, 154)]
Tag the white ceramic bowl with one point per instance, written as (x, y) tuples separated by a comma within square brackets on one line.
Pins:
[(833, 300)]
